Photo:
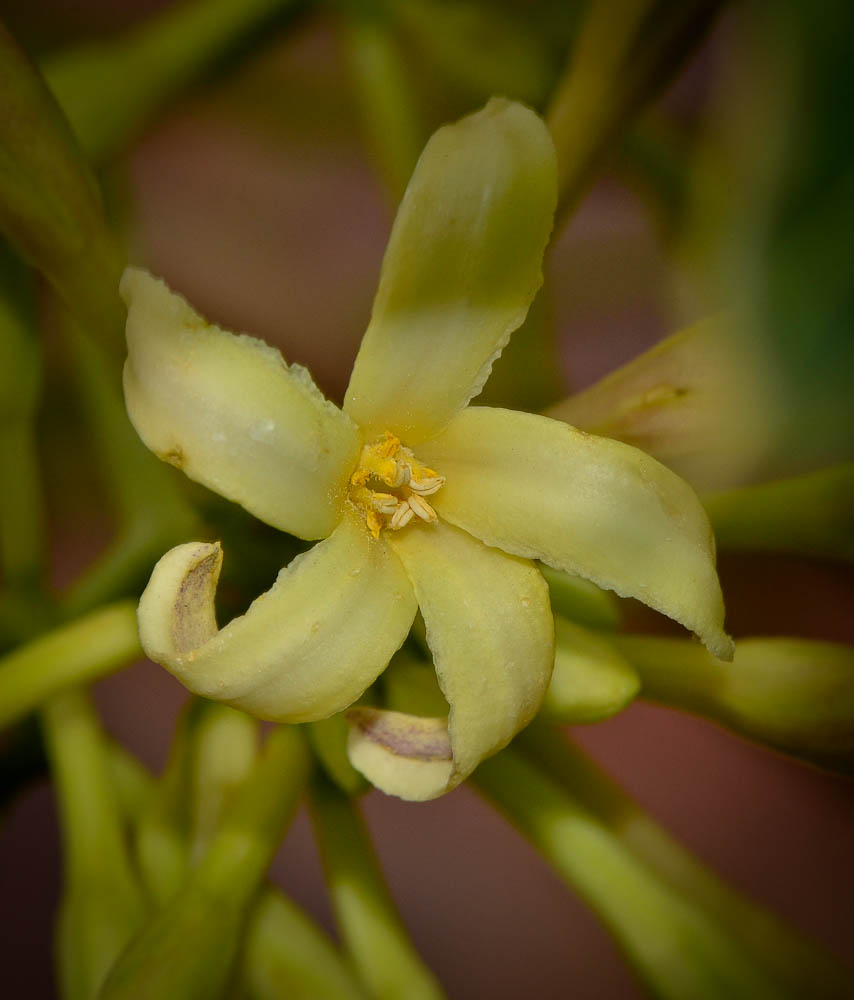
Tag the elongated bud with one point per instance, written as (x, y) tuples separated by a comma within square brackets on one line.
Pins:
[(591, 679), (793, 694)]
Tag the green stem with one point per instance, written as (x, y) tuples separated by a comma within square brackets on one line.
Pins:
[(225, 750), (21, 509), (23, 553), (76, 653), (188, 950), (102, 905), (793, 694), (133, 783), (50, 208), (152, 510), (677, 949), (109, 88), (287, 955), (811, 515), (625, 52), (373, 934), (797, 963), (388, 105)]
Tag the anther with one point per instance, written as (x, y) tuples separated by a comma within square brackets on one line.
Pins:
[(402, 475), (402, 516), (421, 508), (428, 486), (384, 503)]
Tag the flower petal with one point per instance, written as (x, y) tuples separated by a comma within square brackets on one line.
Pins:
[(490, 630), (590, 506), (228, 411), (305, 649), (462, 266)]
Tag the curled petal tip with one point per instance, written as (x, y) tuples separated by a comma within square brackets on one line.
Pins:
[(305, 649)]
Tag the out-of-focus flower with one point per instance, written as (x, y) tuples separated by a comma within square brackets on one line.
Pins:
[(421, 501)]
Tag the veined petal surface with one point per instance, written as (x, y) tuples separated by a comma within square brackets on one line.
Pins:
[(587, 505), (490, 630), (462, 266), (228, 411), (305, 649)]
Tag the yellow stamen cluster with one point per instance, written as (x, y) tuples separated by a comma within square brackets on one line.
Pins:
[(385, 465)]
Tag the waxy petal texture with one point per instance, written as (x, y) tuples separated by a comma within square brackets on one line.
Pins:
[(304, 650), (232, 415), (490, 630), (590, 506), (461, 268)]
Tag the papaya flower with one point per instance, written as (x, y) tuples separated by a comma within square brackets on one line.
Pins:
[(419, 500)]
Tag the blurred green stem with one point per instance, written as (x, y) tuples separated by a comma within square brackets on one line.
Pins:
[(102, 904), (810, 515), (187, 951), (77, 653), (676, 947), (50, 207), (23, 554), (379, 947), (625, 52), (109, 88), (389, 110), (284, 952), (152, 511), (793, 694), (287, 955), (21, 509), (802, 967)]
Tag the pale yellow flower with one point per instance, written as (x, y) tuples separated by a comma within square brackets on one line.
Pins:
[(421, 501)]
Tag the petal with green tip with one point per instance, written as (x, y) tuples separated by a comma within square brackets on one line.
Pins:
[(305, 649), (587, 505), (229, 411), (490, 630), (461, 268)]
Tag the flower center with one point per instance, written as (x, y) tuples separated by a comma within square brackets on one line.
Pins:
[(390, 485)]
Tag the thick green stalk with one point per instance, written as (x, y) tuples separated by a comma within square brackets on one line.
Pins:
[(153, 513), (162, 831), (811, 515), (374, 937), (801, 966), (284, 952), (225, 750), (625, 52), (72, 654), (287, 955), (678, 949), (188, 949), (132, 781), (21, 508), (384, 91), (50, 208), (22, 515), (794, 694), (109, 88), (102, 905)]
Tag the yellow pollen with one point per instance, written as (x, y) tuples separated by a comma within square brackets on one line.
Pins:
[(390, 484)]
